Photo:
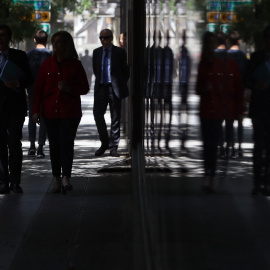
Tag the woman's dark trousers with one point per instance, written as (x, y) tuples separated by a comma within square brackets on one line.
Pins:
[(210, 135), (61, 134)]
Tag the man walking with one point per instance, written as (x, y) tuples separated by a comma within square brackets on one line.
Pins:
[(13, 110), (35, 59), (112, 73)]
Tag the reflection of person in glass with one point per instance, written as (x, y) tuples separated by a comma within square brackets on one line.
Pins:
[(184, 74), (239, 56), (167, 91), (60, 82), (158, 88), (218, 87), (154, 90)]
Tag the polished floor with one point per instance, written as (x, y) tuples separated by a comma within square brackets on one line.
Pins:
[(93, 226)]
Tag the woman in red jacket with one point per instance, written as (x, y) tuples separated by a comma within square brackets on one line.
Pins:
[(221, 97), (60, 82)]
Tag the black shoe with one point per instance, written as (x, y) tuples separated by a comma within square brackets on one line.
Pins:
[(32, 151), (66, 188), (40, 153), (101, 150), (4, 188), (233, 155), (240, 152), (16, 188), (114, 153), (221, 153)]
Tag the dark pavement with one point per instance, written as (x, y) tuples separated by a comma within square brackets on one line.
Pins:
[(92, 227)]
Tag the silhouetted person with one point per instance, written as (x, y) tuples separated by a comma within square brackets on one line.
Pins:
[(13, 109), (158, 93), (240, 58), (60, 82), (155, 90), (149, 90), (184, 75), (258, 80), (35, 59), (112, 73), (87, 63), (167, 91), (229, 151), (217, 86)]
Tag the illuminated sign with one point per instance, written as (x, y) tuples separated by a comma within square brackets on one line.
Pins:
[(213, 16), (42, 16), (227, 17)]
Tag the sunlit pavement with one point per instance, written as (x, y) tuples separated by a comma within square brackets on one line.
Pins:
[(91, 227)]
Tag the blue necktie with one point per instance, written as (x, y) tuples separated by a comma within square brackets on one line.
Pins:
[(105, 67)]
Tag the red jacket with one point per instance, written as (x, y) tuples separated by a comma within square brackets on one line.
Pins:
[(49, 101), (221, 89)]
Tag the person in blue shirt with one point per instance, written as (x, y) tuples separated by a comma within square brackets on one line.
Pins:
[(35, 59)]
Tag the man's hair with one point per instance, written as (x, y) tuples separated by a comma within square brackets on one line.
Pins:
[(108, 30), (234, 37), (41, 37), (221, 38), (7, 29)]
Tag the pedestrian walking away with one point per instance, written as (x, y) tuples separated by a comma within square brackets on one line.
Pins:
[(35, 59)]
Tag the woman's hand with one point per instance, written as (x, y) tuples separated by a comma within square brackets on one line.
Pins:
[(63, 86), (36, 118)]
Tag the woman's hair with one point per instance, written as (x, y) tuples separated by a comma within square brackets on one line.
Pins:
[(70, 51), (208, 49)]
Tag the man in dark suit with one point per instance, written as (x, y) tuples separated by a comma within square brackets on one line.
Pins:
[(112, 73), (13, 110)]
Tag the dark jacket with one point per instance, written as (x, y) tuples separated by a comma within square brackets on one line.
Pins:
[(220, 87), (14, 101), (119, 70), (260, 99)]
